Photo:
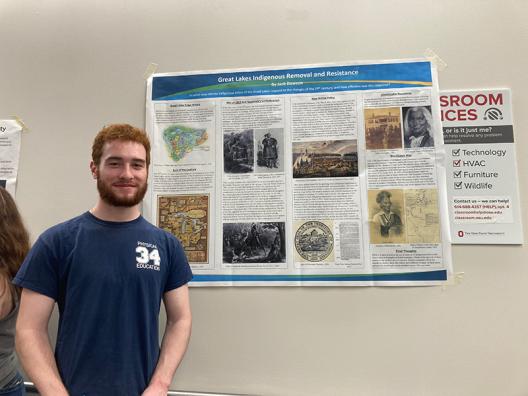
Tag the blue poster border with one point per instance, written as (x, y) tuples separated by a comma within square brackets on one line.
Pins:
[(440, 275)]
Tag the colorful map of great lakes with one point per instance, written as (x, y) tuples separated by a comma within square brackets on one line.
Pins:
[(181, 140)]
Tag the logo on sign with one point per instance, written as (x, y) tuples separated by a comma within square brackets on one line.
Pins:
[(461, 234), (493, 114)]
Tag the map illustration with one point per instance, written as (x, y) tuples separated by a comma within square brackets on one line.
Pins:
[(181, 140), (187, 218), (421, 212)]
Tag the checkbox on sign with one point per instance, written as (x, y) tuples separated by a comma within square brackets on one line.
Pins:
[(458, 185), (457, 174), (456, 152), (457, 163)]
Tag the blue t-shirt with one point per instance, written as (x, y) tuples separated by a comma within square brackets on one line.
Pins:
[(108, 279)]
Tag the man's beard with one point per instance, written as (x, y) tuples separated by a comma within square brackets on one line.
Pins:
[(107, 195)]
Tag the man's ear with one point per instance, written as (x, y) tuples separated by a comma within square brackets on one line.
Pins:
[(93, 169)]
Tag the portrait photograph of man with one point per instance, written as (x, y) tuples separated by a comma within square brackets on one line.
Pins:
[(386, 216), (417, 127)]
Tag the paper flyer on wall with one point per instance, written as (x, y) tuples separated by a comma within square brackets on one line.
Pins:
[(482, 182), (302, 175), (10, 132)]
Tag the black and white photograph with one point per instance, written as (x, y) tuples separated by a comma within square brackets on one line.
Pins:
[(418, 127), (239, 152), (254, 243), (269, 150)]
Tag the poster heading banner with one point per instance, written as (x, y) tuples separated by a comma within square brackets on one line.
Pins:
[(292, 81)]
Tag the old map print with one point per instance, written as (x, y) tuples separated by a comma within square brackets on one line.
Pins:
[(187, 217), (421, 212)]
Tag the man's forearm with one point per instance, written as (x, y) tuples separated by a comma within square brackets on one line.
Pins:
[(34, 351), (173, 347)]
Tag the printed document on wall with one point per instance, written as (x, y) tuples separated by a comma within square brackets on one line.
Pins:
[(10, 132), (482, 181), (302, 175)]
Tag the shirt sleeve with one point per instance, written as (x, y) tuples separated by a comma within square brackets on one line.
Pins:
[(179, 270), (39, 271)]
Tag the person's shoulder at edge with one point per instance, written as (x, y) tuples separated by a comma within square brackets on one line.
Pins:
[(51, 246), (65, 228), (59, 238)]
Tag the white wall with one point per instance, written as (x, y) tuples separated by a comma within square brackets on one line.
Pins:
[(69, 67)]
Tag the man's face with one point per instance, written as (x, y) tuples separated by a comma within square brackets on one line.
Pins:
[(122, 173), (417, 123), (385, 204)]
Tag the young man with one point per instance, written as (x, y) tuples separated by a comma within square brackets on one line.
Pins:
[(108, 270)]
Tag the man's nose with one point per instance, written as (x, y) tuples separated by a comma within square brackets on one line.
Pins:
[(126, 171)]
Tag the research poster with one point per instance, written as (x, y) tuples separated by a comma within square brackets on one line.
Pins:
[(482, 181), (10, 132), (302, 175)]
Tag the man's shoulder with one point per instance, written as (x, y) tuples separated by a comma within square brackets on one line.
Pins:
[(64, 228), (379, 213), (428, 141), (58, 238)]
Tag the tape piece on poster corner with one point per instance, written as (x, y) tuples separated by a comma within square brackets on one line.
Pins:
[(22, 124), (434, 58), (454, 280), (151, 69)]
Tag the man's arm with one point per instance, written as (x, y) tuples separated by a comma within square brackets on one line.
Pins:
[(33, 345), (175, 340)]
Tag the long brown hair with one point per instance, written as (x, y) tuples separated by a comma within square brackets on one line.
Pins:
[(14, 239)]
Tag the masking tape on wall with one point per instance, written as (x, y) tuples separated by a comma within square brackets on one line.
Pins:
[(19, 121), (434, 58), (151, 69)]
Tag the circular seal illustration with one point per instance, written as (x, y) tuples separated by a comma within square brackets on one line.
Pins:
[(314, 241)]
